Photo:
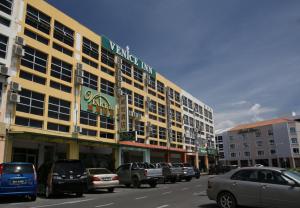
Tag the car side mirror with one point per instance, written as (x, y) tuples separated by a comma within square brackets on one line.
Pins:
[(291, 183)]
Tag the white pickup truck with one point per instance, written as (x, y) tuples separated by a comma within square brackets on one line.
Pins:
[(188, 171)]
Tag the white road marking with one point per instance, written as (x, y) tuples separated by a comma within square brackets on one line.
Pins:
[(202, 193), (168, 192), (166, 205), (69, 202), (142, 197), (184, 189), (105, 205)]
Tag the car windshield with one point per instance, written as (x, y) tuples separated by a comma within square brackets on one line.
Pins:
[(63, 167), (99, 171), (17, 168), (292, 174)]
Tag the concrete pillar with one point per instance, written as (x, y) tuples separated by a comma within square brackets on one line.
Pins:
[(183, 157), (2, 148), (206, 162), (292, 162), (116, 153), (147, 155), (73, 151), (41, 158), (197, 160), (6, 150)]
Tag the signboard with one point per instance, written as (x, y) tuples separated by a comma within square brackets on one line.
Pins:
[(96, 102), (123, 112), (125, 53), (128, 136), (202, 151), (211, 151)]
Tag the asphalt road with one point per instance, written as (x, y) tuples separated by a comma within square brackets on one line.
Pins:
[(180, 195)]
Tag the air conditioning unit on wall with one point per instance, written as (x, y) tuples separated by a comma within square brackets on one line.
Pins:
[(15, 87), (18, 50), (4, 70), (13, 97), (20, 41), (78, 80)]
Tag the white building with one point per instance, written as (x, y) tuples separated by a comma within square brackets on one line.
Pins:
[(271, 143)]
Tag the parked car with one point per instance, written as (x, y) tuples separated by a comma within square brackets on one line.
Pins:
[(18, 179), (62, 176), (221, 169), (188, 171), (169, 173), (134, 174), (101, 178), (197, 173), (256, 187)]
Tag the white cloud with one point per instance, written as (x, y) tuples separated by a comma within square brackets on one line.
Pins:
[(242, 102)]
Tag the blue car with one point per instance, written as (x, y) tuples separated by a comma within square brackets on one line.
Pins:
[(18, 179)]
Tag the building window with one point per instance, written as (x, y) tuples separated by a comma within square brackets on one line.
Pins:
[(190, 104), (62, 49), (107, 71), (32, 77), (107, 87), (161, 110), (61, 70), (35, 36), (184, 101), (260, 153), (63, 33), (139, 86), (177, 97), (271, 142), (90, 48), (141, 113), (126, 68), (153, 106), (107, 135), (272, 152), (89, 132), (233, 154), (296, 151), (153, 131), (270, 132), (191, 121), (152, 83), (38, 19), (162, 133), (57, 127), (292, 130), (90, 80), (107, 58), (59, 109), (178, 116), (247, 154), (31, 102), (6, 6), (128, 92), (232, 146), (138, 100), (259, 143), (107, 122), (179, 138), (138, 74), (35, 59), (294, 140), (90, 62), (60, 87), (88, 118), (28, 122), (3, 46), (171, 93), (4, 21), (140, 127), (185, 119), (160, 87), (257, 133)]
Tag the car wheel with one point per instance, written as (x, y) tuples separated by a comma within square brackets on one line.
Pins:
[(153, 184), (197, 177), (127, 185), (226, 200), (48, 192), (32, 197), (111, 190), (136, 183), (188, 179), (79, 194)]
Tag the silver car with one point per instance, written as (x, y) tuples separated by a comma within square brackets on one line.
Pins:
[(101, 178), (256, 187)]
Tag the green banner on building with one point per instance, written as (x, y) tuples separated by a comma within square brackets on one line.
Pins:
[(212, 151), (125, 53), (202, 151), (96, 102)]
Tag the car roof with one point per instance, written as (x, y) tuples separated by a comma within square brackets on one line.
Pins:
[(261, 168)]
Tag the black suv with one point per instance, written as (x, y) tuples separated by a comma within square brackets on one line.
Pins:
[(62, 176)]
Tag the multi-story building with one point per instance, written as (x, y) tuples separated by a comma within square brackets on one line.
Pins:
[(71, 93), (271, 143), (199, 138)]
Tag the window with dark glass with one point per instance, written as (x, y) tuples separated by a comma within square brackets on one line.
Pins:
[(107, 135), (129, 93), (28, 122), (107, 71), (138, 100), (107, 57), (152, 82), (63, 33), (89, 62), (61, 70), (190, 104), (162, 133), (60, 86), (6, 6), (160, 86), (36, 36), (62, 49), (140, 127), (34, 59), (37, 19), (32, 77), (88, 132), (4, 21), (126, 68), (161, 109), (177, 96), (178, 116), (31, 102), (153, 106), (138, 74), (186, 119), (107, 122), (90, 48), (153, 131), (107, 87), (59, 109), (88, 118), (171, 93), (3, 46), (58, 127), (90, 80)]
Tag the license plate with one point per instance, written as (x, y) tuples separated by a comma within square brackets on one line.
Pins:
[(106, 179), (18, 182)]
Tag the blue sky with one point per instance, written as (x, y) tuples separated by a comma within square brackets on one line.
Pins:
[(240, 57)]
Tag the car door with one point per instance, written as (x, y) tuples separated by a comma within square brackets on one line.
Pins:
[(245, 187), (124, 173), (276, 192)]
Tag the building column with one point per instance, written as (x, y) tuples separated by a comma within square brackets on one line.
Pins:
[(41, 155), (147, 155), (167, 156), (73, 151), (116, 153), (183, 157), (196, 160), (292, 162), (206, 162), (5, 149)]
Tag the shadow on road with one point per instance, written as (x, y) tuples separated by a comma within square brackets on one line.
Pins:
[(5, 200), (210, 205)]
